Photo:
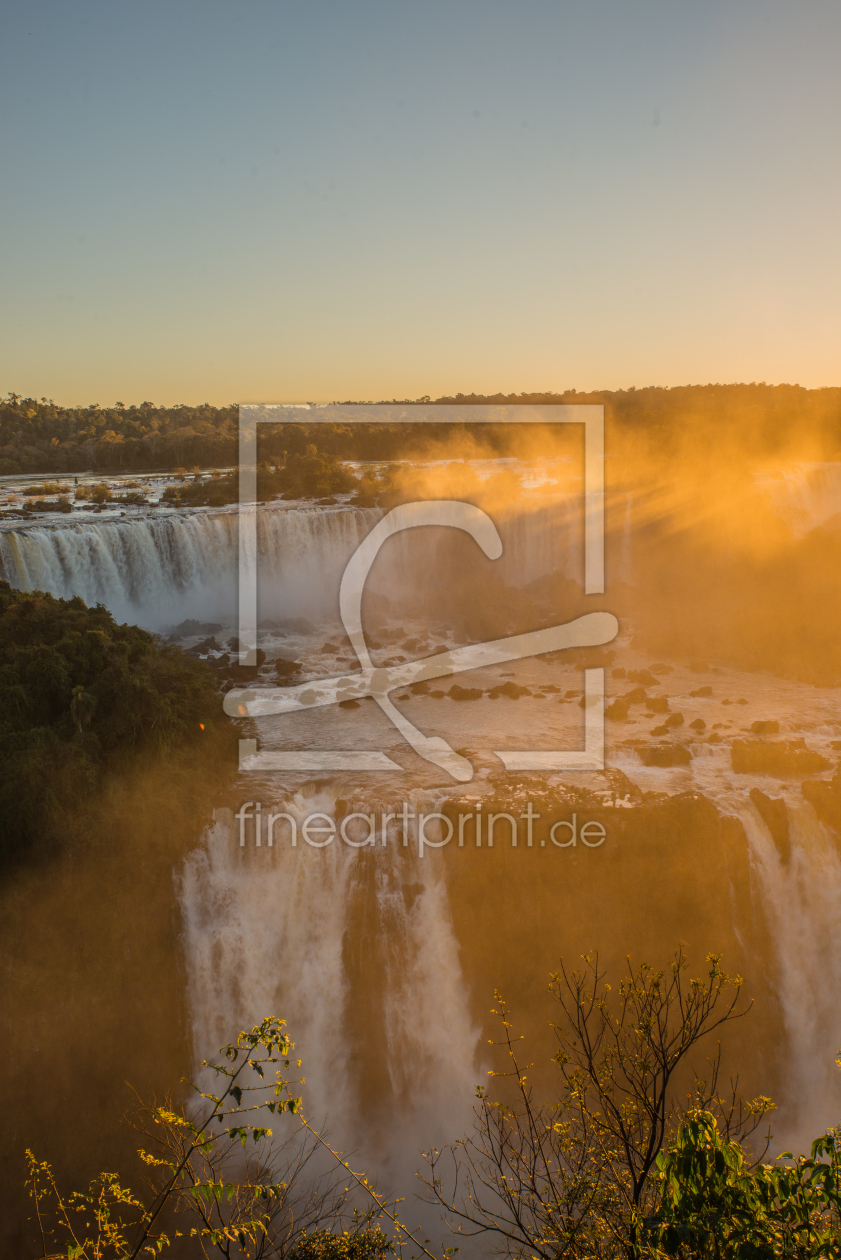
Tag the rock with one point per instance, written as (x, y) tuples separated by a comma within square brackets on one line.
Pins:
[(549, 688), (702, 691), (464, 693), (657, 704), (207, 645), (659, 668), (420, 689), (741, 701), (727, 702), (570, 695), (665, 755), (617, 673), (775, 816), (659, 730), (642, 676), (825, 799), (348, 704), (332, 648), (698, 725), (617, 711), (186, 629), (781, 757), (715, 738), (509, 689), (674, 719), (439, 695), (765, 728), (637, 696), (285, 668)]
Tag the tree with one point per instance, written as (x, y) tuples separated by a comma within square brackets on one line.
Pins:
[(572, 1177), (713, 1203), (249, 1199)]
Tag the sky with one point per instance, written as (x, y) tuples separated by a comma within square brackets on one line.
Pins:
[(263, 200)]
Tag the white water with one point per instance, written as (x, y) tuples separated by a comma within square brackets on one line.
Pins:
[(805, 495), (159, 570), (355, 949), (801, 900)]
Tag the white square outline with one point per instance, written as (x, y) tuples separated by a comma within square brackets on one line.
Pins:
[(591, 415)]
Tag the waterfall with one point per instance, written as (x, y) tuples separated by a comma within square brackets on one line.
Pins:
[(355, 948), (801, 896), (805, 495), (158, 570)]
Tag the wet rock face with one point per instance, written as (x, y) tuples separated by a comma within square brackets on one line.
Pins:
[(774, 815), (665, 755), (780, 757), (825, 799)]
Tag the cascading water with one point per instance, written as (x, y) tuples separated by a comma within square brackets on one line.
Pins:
[(800, 891), (355, 948)]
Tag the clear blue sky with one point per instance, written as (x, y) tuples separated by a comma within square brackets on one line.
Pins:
[(324, 199)]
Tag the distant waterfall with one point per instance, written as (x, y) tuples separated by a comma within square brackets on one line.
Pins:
[(804, 495), (801, 900), (156, 571), (159, 570)]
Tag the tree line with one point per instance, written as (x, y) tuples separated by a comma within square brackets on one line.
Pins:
[(45, 437)]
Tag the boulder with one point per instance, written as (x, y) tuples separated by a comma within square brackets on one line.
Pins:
[(643, 676), (509, 689), (617, 711), (780, 757), (464, 693), (285, 668), (765, 728), (702, 691), (674, 719), (657, 704), (698, 725), (637, 696), (665, 755), (617, 673)]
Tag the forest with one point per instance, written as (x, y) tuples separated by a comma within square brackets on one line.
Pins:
[(41, 436)]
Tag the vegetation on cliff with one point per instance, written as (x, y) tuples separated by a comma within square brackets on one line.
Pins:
[(82, 697)]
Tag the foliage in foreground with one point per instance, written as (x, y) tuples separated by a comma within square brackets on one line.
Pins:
[(77, 693), (576, 1176), (245, 1200), (712, 1203), (623, 1164)]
